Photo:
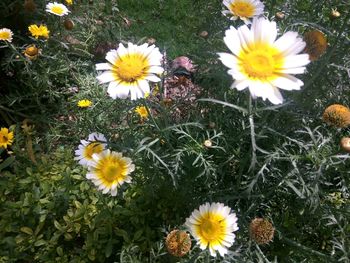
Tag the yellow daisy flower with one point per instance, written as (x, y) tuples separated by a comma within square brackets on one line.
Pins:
[(109, 170), (142, 112), (96, 143), (243, 9), (84, 103), (39, 31), (6, 34), (57, 9), (69, 2), (6, 138), (213, 226), (129, 70), (261, 62)]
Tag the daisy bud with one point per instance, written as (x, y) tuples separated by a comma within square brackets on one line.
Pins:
[(29, 5), (335, 14), (204, 34), (345, 144), (208, 143), (68, 24), (279, 15), (261, 230), (178, 243)]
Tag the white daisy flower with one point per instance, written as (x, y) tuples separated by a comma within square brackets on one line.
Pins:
[(213, 226), (129, 70), (96, 143), (243, 9), (6, 35), (109, 170), (262, 63), (57, 9)]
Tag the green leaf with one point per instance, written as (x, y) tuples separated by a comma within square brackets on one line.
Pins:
[(27, 230), (109, 248), (40, 243), (7, 162)]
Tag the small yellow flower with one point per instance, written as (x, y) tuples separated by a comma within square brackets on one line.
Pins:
[(6, 138), (316, 44), (84, 103), (337, 115), (39, 31), (142, 112), (69, 2), (6, 34), (31, 52)]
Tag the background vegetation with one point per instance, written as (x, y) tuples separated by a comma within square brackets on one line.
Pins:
[(296, 175)]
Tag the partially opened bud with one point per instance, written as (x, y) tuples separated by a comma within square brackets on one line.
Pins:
[(31, 52)]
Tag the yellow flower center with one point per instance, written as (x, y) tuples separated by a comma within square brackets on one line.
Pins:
[(57, 10), (5, 35), (242, 9), (212, 227), (131, 67), (94, 147), (112, 169), (261, 62)]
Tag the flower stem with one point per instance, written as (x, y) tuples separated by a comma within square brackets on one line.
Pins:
[(252, 134)]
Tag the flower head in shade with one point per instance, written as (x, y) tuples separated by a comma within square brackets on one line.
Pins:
[(213, 226), (316, 44), (6, 34), (69, 2), (39, 31), (96, 143), (32, 52), (6, 138), (261, 230), (129, 70), (178, 243), (84, 103), (142, 112), (57, 9), (337, 115), (262, 63), (243, 9), (109, 170)]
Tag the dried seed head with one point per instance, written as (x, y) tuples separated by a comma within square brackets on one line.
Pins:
[(178, 243), (68, 24), (261, 230), (345, 144), (316, 44), (337, 115)]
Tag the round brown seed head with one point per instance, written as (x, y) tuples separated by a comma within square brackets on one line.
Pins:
[(337, 115), (178, 243), (68, 24), (261, 230), (316, 44)]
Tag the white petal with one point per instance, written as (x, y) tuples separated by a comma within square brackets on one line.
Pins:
[(153, 78), (106, 77), (287, 82), (104, 66), (112, 56), (228, 60), (232, 40)]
